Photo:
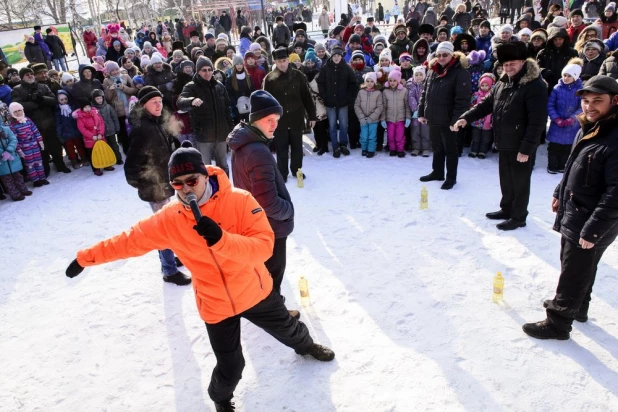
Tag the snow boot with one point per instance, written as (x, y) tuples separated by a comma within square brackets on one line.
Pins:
[(370, 155), (448, 184), (481, 155), (177, 278), (336, 153), (178, 262), (316, 149), (393, 153), (322, 150), (401, 155), (76, 164), (321, 353), (414, 153), (364, 153), (110, 168), (344, 150), (472, 155), (227, 406), (544, 330), (510, 224), (425, 153)]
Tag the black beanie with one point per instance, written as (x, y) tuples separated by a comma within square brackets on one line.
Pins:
[(263, 104), (202, 62), (485, 23), (24, 70), (148, 92), (355, 38), (186, 160), (576, 12)]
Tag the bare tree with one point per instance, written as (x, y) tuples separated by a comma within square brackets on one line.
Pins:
[(56, 9)]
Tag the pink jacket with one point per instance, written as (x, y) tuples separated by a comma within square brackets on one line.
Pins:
[(485, 122), (90, 124)]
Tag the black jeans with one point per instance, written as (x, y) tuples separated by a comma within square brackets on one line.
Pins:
[(353, 128), (557, 156), (292, 140), (276, 263), (320, 134), (444, 146), (578, 270), (481, 140), (514, 184), (270, 315), (53, 148)]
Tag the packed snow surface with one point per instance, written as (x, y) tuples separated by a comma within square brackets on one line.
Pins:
[(403, 296)]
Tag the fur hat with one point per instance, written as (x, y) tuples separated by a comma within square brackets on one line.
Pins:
[(425, 28), (39, 67), (542, 33), (280, 53), (516, 50)]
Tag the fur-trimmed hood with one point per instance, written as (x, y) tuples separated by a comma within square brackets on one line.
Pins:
[(462, 58), (533, 71), (166, 68)]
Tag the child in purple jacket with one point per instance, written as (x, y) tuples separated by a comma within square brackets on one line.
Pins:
[(563, 105), (421, 144)]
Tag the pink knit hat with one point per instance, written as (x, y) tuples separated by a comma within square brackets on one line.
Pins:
[(395, 74), (488, 78), (371, 76)]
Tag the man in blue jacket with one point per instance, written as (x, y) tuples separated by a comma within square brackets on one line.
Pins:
[(255, 170)]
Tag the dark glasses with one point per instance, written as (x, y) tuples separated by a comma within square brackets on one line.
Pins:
[(206, 69), (439, 56), (191, 182)]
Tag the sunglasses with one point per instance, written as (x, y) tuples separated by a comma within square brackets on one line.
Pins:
[(206, 69), (442, 55), (191, 182)]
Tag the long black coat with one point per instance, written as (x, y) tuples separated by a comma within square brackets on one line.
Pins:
[(212, 121), (255, 170), (82, 90), (337, 84), (145, 167), (38, 102), (291, 90), (445, 97), (34, 53), (519, 108), (56, 46), (163, 80), (588, 192), (554, 59)]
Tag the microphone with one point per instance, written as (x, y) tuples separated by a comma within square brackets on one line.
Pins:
[(195, 207)]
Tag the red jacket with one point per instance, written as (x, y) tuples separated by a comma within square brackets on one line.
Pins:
[(229, 277), (366, 44), (257, 75), (90, 39), (575, 31), (90, 124)]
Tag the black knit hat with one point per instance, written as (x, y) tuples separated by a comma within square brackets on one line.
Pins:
[(202, 62), (194, 33), (337, 50), (512, 51), (186, 160), (280, 53), (37, 28), (485, 23), (263, 104), (355, 38), (148, 92), (576, 12), (23, 71)]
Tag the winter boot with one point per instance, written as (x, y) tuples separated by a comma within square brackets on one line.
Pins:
[(76, 164), (344, 150), (322, 150), (110, 168), (414, 153), (316, 149), (45, 182), (481, 155), (364, 153), (425, 153), (321, 353), (430, 177), (64, 169), (98, 172), (472, 155), (227, 406), (499, 215), (370, 155), (545, 330), (178, 262), (177, 278), (10, 187), (510, 224), (448, 184), (401, 155), (336, 153), (38, 183), (393, 153)]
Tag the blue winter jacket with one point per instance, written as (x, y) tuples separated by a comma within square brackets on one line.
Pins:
[(348, 56), (484, 43), (8, 143), (66, 127), (564, 104), (5, 94), (244, 45), (612, 42)]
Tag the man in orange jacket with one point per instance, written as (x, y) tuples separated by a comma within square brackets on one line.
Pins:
[(225, 252)]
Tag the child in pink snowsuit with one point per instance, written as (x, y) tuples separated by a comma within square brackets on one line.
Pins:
[(92, 127), (396, 115)]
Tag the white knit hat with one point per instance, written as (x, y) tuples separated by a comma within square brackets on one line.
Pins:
[(420, 69), (573, 70), (386, 54), (524, 32), (445, 46), (155, 59), (66, 76), (506, 28)]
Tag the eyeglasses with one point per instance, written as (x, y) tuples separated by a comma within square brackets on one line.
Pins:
[(206, 69), (191, 182), (442, 55)]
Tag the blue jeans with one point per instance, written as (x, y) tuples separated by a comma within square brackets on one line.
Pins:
[(369, 136), (167, 258), (341, 114), (59, 63)]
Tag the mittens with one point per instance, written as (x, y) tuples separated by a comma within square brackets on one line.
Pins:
[(408, 121), (559, 122), (568, 122), (6, 156), (383, 123), (74, 269)]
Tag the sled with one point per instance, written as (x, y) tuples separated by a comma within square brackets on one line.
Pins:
[(102, 155)]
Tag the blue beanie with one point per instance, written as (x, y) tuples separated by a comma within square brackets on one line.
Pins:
[(263, 104), (456, 30), (311, 56), (138, 80)]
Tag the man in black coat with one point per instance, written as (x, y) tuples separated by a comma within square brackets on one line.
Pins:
[(39, 103), (82, 90), (255, 171), (145, 166), (586, 202), (445, 96), (338, 88), (518, 103), (291, 89), (226, 23), (208, 103), (56, 46)]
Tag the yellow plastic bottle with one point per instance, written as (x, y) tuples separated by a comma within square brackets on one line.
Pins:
[(300, 177), (424, 199), (498, 287), (303, 286)]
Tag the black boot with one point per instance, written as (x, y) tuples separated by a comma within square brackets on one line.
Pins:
[(393, 153), (401, 154), (178, 262), (321, 353), (344, 150), (336, 153), (322, 150), (448, 184), (499, 215), (370, 155), (227, 406), (545, 330), (178, 278), (510, 224), (431, 176)]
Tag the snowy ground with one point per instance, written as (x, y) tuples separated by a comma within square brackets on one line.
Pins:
[(403, 296)]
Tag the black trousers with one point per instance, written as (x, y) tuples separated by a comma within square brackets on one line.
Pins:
[(481, 140), (380, 139), (276, 263), (320, 134), (270, 315), (53, 148), (353, 128), (514, 184), (289, 140), (444, 146), (557, 156), (123, 137), (578, 270)]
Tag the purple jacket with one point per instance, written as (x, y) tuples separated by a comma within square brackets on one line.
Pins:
[(38, 37), (414, 94), (564, 104)]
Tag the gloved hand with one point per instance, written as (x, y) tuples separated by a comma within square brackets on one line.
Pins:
[(74, 269), (408, 121), (568, 122), (559, 122), (383, 123), (209, 230), (415, 114), (7, 156)]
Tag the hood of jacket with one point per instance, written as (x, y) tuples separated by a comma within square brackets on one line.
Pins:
[(81, 72), (459, 56), (466, 36), (243, 134), (264, 39)]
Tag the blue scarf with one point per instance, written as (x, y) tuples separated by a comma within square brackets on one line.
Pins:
[(123, 97)]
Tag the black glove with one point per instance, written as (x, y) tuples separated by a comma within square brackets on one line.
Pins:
[(209, 230), (74, 269)]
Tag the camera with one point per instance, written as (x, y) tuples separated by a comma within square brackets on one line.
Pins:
[(118, 82)]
